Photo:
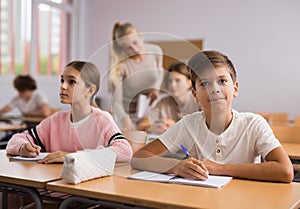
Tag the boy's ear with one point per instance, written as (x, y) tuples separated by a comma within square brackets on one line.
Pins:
[(236, 89), (195, 94)]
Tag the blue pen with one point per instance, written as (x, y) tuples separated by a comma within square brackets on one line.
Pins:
[(186, 152)]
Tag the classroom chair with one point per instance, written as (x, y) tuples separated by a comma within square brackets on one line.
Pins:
[(275, 118), (287, 134), (297, 121), (135, 138)]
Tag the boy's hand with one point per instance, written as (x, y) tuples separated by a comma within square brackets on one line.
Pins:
[(214, 168), (191, 168), (54, 157), (27, 150)]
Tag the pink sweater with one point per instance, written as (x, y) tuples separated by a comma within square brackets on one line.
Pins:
[(57, 133)]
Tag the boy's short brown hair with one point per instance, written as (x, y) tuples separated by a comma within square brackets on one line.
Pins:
[(24, 82), (209, 60)]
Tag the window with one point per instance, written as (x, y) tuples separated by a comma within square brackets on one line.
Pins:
[(34, 36)]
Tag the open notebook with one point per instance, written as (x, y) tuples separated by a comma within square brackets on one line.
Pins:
[(212, 181), (35, 159)]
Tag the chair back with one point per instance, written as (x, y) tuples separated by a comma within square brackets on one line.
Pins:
[(285, 133), (275, 118), (135, 138), (297, 121)]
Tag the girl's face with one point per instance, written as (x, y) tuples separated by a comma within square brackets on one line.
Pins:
[(73, 90), (178, 84), (215, 90), (132, 45)]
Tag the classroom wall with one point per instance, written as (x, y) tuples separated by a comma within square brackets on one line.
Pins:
[(260, 36)]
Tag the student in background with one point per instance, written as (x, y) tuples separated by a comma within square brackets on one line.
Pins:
[(170, 109), (81, 127), (219, 140), (30, 101), (136, 69)]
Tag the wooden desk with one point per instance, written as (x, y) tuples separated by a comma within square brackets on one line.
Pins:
[(27, 173), (26, 176), (22, 118), (11, 127), (292, 149), (237, 194)]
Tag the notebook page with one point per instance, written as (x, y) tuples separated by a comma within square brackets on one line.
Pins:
[(37, 158), (151, 176), (212, 181)]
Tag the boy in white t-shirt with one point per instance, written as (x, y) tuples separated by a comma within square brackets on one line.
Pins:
[(30, 101), (219, 140)]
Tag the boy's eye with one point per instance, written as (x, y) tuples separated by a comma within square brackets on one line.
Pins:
[(61, 80), (222, 81)]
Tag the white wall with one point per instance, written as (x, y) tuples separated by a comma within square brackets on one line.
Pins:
[(262, 38)]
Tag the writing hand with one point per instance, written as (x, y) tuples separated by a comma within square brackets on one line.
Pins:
[(28, 150), (191, 168)]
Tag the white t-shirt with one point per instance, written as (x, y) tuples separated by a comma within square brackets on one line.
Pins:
[(36, 101), (247, 138)]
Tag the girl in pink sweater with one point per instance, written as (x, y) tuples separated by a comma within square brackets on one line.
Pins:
[(81, 127)]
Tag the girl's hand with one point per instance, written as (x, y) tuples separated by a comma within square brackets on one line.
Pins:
[(54, 157), (27, 150), (191, 168)]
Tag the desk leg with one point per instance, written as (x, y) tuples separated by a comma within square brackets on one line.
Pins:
[(65, 204), (4, 199), (29, 190)]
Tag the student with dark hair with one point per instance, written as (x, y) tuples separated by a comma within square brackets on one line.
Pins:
[(172, 108), (30, 101)]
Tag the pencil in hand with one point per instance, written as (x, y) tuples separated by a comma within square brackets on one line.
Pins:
[(32, 145)]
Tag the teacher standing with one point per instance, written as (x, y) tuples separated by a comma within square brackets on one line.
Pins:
[(136, 69)]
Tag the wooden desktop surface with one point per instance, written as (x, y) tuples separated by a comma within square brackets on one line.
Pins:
[(22, 118), (292, 149), (237, 194), (11, 127), (30, 174)]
